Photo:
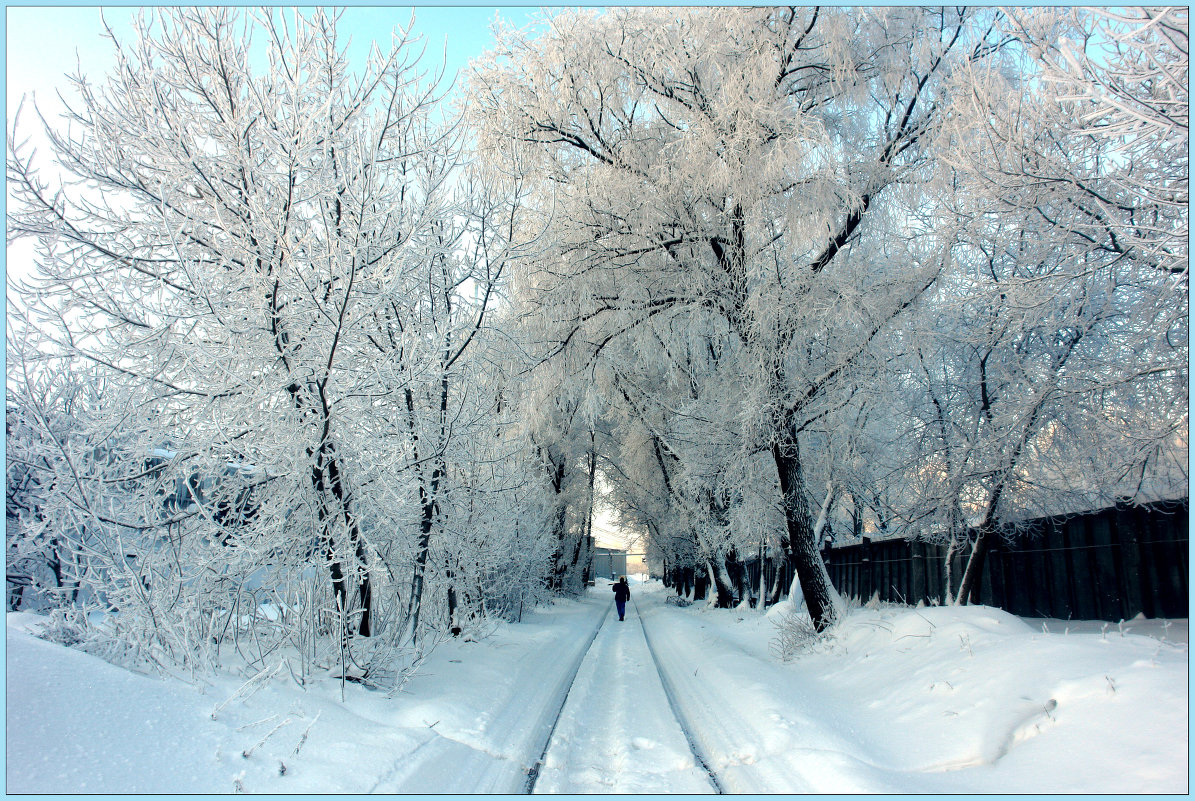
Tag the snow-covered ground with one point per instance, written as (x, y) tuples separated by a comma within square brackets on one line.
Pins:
[(939, 700), (614, 734), (931, 700)]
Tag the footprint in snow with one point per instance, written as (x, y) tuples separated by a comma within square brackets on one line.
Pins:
[(642, 743)]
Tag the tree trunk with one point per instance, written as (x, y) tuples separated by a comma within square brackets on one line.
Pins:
[(742, 580), (332, 504), (722, 583), (360, 568), (427, 502), (777, 583), (587, 534), (556, 477), (365, 590), (556, 580), (763, 573), (948, 567), (573, 568), (972, 583), (700, 584), (820, 597), (454, 625)]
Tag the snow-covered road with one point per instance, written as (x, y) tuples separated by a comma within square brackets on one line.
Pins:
[(745, 715), (897, 700), (617, 733), (496, 752)]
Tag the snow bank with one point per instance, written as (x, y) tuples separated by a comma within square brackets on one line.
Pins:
[(940, 699), (971, 686), (76, 724), (896, 700)]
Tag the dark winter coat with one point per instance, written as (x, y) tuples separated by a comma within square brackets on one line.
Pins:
[(622, 592)]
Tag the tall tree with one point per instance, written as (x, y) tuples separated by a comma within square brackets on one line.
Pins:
[(281, 269), (1074, 192), (715, 170)]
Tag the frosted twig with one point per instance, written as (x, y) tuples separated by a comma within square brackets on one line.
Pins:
[(249, 752), (303, 739), (258, 723), (1050, 706), (260, 677), (296, 679)]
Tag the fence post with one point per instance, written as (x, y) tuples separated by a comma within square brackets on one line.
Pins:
[(997, 562), (1040, 576), (1127, 535), (1078, 550), (986, 589), (1172, 562), (1105, 567), (918, 591), (1061, 604), (866, 572)]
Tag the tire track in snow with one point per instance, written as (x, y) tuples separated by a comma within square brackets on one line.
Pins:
[(617, 732), (670, 693), (756, 740), (496, 755), (562, 691), (740, 749)]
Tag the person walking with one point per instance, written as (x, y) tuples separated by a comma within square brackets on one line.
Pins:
[(621, 593)]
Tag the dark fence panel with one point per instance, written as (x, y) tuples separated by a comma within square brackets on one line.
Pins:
[(1106, 565)]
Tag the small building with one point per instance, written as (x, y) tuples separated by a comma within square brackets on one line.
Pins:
[(608, 563)]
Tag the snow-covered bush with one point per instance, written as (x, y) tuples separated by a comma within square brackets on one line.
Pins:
[(795, 634), (279, 295)]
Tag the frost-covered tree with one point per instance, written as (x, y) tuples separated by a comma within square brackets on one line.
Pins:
[(432, 333), (234, 233), (1071, 356), (283, 271), (557, 427), (714, 171), (44, 417), (1123, 74)]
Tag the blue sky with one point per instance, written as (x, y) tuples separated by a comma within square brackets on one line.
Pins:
[(44, 42)]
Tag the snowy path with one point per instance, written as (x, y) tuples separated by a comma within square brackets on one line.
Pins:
[(708, 681), (617, 732), (497, 753), (940, 700), (754, 738)]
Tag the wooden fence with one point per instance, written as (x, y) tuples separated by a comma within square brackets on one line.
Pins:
[(1105, 565)]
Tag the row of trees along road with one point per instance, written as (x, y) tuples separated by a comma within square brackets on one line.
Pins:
[(316, 360), (901, 254)]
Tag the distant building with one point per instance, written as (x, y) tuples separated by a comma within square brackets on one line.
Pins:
[(637, 564), (608, 563)]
